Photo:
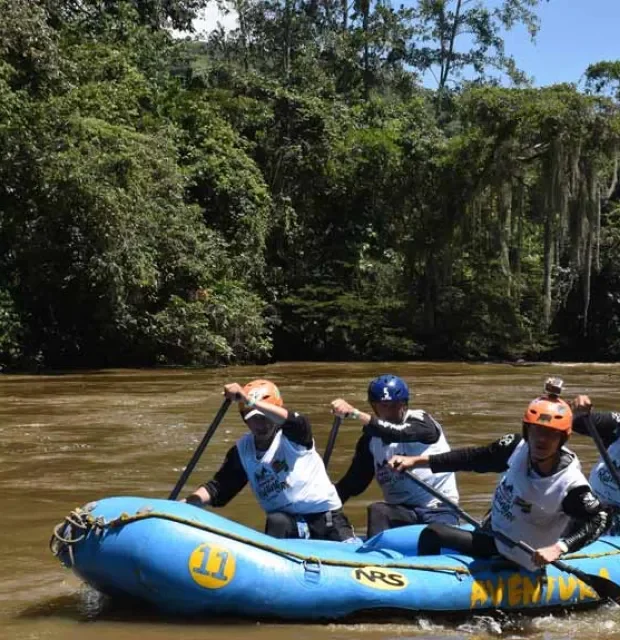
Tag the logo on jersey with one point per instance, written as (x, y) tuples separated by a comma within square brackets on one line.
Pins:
[(590, 501), (261, 475), (504, 499), (386, 475), (526, 507), (280, 465), (506, 440), (604, 475), (267, 482)]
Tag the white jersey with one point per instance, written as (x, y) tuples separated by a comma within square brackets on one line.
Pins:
[(527, 507), (288, 477), (398, 487), (603, 484)]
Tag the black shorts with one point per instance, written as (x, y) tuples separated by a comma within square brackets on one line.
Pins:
[(330, 525), (327, 525)]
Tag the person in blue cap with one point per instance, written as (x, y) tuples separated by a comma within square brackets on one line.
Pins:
[(393, 429)]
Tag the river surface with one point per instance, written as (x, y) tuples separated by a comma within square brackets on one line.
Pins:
[(68, 439)]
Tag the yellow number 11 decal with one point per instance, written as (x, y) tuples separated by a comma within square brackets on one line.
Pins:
[(211, 566)]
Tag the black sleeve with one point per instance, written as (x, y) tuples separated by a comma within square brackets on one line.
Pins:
[(297, 429), (591, 519), (606, 423), (360, 473), (228, 480), (415, 429), (490, 458)]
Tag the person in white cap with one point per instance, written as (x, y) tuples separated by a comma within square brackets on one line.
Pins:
[(279, 460)]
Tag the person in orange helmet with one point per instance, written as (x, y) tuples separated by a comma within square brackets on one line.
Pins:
[(279, 460), (542, 499)]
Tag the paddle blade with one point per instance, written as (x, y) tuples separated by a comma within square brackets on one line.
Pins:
[(605, 588)]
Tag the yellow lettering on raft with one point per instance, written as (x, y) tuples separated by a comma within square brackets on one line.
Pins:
[(494, 591), (522, 590), (515, 589), (479, 593), (586, 592), (567, 587), (498, 592), (550, 586), (532, 591)]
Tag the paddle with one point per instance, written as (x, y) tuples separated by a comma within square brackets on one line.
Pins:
[(200, 450), (604, 588), (596, 436), (331, 440)]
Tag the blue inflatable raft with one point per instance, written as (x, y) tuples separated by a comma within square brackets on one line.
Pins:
[(185, 560)]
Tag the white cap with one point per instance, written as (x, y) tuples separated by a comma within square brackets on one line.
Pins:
[(253, 414)]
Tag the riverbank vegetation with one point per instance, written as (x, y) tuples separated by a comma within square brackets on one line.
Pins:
[(292, 190)]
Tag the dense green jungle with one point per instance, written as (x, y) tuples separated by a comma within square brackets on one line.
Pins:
[(291, 189)]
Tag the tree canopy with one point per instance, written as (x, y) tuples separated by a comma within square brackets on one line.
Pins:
[(290, 189)]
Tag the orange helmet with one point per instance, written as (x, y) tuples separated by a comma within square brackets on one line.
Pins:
[(551, 413), (262, 390)]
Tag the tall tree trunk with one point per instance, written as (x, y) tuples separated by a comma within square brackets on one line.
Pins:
[(430, 292), (447, 49), (240, 6), (614, 177), (597, 231), (505, 229), (593, 205), (365, 6), (288, 36), (587, 285), (554, 201), (517, 234), (548, 266)]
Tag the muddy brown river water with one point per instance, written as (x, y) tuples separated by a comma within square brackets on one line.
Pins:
[(68, 439)]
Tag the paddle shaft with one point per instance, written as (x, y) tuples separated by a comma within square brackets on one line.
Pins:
[(199, 450), (600, 445), (562, 566), (331, 440)]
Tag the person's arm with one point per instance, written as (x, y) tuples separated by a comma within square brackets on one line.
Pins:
[(419, 428), (235, 392), (228, 481), (584, 506), (606, 423), (591, 521), (490, 458), (360, 473), (297, 429), (343, 409)]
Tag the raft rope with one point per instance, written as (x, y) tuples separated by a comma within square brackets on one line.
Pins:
[(77, 525), (73, 529)]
